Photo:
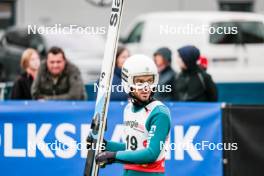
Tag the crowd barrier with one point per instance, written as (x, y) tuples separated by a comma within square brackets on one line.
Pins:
[(244, 125), (235, 93), (46, 138)]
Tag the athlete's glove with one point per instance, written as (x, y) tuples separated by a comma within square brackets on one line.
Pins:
[(89, 142), (105, 158)]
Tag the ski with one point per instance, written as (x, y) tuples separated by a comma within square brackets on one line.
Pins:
[(99, 121)]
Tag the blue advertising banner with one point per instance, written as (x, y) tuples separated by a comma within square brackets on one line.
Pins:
[(48, 138)]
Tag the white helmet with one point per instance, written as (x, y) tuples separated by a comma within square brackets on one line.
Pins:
[(138, 65)]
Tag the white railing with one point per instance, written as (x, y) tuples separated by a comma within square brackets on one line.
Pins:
[(3, 88)]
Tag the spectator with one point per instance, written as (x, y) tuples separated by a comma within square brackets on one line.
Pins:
[(121, 55), (193, 83), (30, 62), (167, 76), (58, 79)]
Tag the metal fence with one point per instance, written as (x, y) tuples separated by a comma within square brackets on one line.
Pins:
[(5, 89)]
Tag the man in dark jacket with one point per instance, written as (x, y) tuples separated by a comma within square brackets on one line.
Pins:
[(193, 83), (58, 79), (166, 88)]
